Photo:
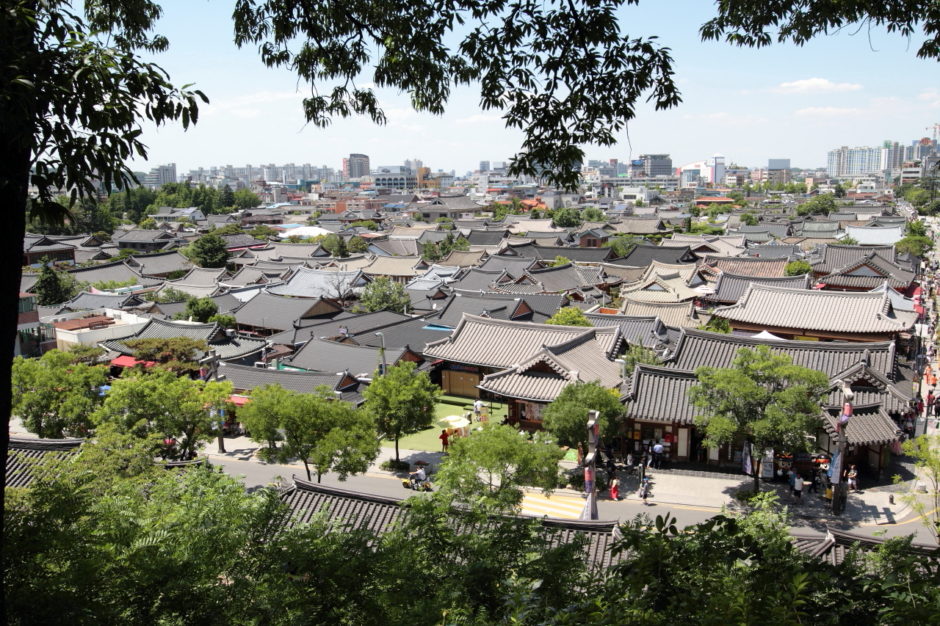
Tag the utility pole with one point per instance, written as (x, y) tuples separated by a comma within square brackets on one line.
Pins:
[(381, 336), (839, 488), (590, 466)]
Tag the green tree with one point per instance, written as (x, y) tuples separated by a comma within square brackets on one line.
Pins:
[(329, 434), (367, 224), (848, 241), (383, 295), (357, 244), (261, 231), (567, 416), (797, 268), (402, 401), (622, 245), (224, 320), (263, 416), (764, 399), (560, 260), (636, 355), (54, 395), (148, 223), (490, 467), (566, 218), (823, 204), (916, 227), (916, 245), (592, 214), (230, 229), (925, 451), (226, 197), (749, 219), (53, 286), (210, 251), (569, 316), (84, 354), (199, 310), (717, 325), (177, 354), (167, 295), (246, 199), (335, 245), (160, 402)]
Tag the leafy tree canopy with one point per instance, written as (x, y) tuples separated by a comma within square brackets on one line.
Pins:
[(796, 268), (357, 244), (199, 310), (55, 394), (210, 251), (918, 245), (569, 316), (823, 204), (384, 295), (622, 245), (402, 401), (592, 214), (566, 218), (246, 199), (566, 417), (762, 398), (489, 467), (178, 354), (53, 286)]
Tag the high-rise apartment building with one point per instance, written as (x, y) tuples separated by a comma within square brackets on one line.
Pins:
[(655, 164), (161, 175), (848, 162), (356, 166)]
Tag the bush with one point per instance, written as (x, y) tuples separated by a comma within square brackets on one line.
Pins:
[(575, 478)]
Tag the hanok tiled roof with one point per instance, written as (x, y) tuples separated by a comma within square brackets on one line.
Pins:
[(542, 305), (810, 309), (639, 226), (774, 250), (227, 347), (196, 291), (648, 331), (320, 283), (226, 303), (875, 235), (24, 453), (661, 284), (141, 235), (319, 355), (834, 257), (747, 266), (241, 240), (85, 301), (644, 254), (203, 276), (578, 360), (116, 271), (730, 287), (835, 545), (275, 251), (352, 510), (268, 310), (464, 258), (660, 394), (395, 266), (696, 348), (563, 278), (347, 324), (160, 263), (247, 378), (249, 275), (478, 279), (869, 272), (396, 247), (624, 272), (775, 230), (869, 426), (502, 344), (675, 314), (515, 266)]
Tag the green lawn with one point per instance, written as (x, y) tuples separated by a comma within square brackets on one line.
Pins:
[(446, 405)]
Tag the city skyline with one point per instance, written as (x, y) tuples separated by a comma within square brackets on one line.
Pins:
[(748, 105)]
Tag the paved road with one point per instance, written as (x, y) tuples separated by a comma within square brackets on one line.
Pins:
[(255, 475)]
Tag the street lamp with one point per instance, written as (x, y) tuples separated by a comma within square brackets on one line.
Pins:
[(381, 336)]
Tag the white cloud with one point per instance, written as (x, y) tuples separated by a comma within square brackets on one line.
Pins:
[(478, 118), (249, 105), (827, 112), (724, 118), (815, 85), (931, 97)]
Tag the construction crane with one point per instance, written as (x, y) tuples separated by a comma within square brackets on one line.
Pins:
[(936, 130)]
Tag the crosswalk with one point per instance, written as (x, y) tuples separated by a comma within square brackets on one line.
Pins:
[(564, 507)]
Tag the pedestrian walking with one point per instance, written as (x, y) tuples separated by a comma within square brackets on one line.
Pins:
[(852, 477), (445, 440), (797, 488), (615, 489), (478, 408), (658, 450)]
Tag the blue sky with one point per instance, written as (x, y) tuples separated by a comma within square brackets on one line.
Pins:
[(749, 105)]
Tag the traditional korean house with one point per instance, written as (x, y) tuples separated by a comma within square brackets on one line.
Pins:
[(817, 315), (524, 353)]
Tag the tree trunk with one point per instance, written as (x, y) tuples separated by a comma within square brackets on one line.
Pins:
[(307, 467), (14, 184), (397, 460)]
